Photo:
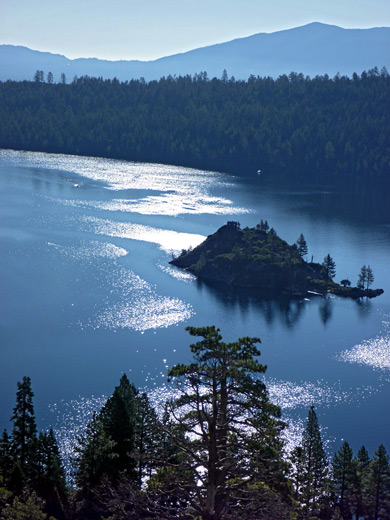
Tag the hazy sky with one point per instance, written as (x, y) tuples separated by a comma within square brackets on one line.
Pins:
[(149, 29)]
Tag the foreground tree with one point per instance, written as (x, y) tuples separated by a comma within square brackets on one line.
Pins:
[(107, 447), (378, 485), (343, 473), (297, 459), (30, 466), (26, 507), (24, 430), (361, 465), (229, 430), (49, 482), (118, 450), (6, 456), (148, 439), (313, 467)]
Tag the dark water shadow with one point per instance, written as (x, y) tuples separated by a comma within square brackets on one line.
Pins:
[(280, 310), (275, 310), (368, 205)]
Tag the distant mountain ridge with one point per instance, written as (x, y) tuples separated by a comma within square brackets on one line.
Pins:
[(313, 49)]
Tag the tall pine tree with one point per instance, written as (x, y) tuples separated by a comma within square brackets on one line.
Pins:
[(24, 430), (6, 456), (231, 429), (361, 465), (343, 478), (378, 485), (315, 467)]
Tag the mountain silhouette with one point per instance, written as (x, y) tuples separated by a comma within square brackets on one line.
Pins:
[(313, 49)]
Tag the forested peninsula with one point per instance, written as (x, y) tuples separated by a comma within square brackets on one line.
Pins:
[(257, 258), (333, 130)]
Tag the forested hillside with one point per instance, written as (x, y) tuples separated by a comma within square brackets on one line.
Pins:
[(214, 452), (320, 129)]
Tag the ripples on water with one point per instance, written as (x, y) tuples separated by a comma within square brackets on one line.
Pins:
[(168, 240), (93, 249), (172, 204), (289, 395), (140, 307), (374, 352), (178, 274), (122, 175), (130, 301)]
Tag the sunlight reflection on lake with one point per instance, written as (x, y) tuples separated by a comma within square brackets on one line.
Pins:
[(169, 241), (88, 292)]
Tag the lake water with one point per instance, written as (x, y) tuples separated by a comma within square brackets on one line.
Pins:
[(87, 292)]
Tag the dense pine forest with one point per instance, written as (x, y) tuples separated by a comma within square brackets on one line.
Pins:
[(214, 451), (295, 128)]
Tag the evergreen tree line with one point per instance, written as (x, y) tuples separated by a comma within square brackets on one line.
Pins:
[(365, 277), (293, 127), (215, 452)]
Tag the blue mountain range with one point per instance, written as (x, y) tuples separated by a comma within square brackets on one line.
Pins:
[(313, 49)]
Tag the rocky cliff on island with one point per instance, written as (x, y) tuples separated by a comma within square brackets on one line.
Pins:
[(258, 258)]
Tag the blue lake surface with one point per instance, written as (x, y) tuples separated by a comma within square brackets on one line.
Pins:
[(87, 292)]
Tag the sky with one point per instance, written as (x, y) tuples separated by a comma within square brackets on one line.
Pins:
[(150, 29)]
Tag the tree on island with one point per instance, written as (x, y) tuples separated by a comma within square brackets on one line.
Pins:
[(362, 278), (369, 277), (50, 78), (272, 233), (230, 431), (330, 266), (302, 245), (366, 277), (345, 282), (263, 226)]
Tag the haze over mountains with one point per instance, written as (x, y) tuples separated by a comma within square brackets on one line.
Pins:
[(312, 49)]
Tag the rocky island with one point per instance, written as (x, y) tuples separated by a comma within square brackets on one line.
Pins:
[(258, 258)]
